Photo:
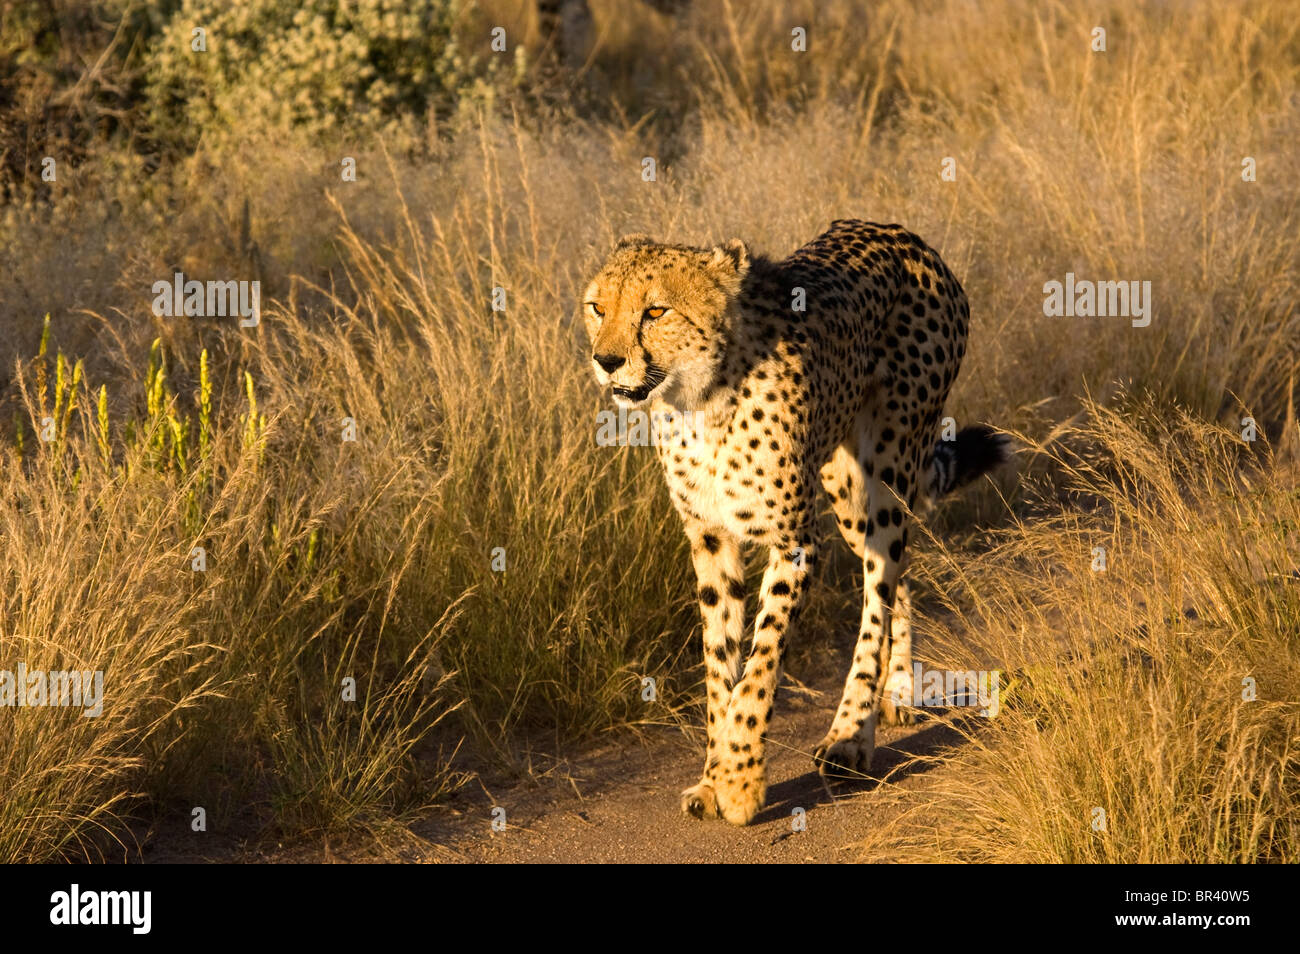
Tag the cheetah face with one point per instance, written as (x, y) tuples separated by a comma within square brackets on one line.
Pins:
[(658, 316)]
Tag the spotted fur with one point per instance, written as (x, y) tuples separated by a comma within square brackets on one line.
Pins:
[(844, 393)]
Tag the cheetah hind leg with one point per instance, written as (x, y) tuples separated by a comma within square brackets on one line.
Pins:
[(845, 481), (896, 700)]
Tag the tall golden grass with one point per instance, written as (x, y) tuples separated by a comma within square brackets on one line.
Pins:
[(1149, 711), (476, 428)]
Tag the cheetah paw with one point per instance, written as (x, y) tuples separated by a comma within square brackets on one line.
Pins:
[(699, 801), (892, 715), (895, 708), (849, 757), (739, 798)]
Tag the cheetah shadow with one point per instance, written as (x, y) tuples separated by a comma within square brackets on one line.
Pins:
[(898, 760)]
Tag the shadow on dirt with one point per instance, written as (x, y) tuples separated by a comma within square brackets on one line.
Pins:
[(894, 761)]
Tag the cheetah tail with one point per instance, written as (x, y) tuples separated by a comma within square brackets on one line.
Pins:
[(974, 452)]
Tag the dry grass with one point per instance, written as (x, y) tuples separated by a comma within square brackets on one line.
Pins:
[(1162, 691), (477, 428)]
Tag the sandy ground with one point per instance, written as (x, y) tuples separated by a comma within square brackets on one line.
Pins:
[(620, 803)]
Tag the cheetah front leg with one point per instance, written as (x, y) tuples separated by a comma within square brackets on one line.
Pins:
[(897, 698), (739, 775), (721, 578)]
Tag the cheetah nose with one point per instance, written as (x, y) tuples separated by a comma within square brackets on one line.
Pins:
[(610, 362)]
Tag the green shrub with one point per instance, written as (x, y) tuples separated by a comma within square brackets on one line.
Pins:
[(325, 67)]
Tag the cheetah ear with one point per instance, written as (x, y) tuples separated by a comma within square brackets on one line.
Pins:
[(634, 238), (730, 260)]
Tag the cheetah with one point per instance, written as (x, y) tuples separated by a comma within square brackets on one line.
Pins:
[(828, 368)]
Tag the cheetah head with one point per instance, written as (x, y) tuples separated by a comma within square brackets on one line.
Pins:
[(658, 318)]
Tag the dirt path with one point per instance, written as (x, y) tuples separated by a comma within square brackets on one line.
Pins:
[(620, 804)]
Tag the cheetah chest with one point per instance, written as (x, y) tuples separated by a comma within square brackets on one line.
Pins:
[(718, 479)]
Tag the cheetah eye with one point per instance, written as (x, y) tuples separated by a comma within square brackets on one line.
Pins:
[(656, 312), (600, 312)]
